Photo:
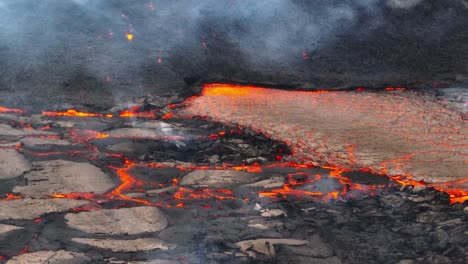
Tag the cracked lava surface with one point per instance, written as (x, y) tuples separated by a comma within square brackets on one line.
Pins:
[(405, 135)]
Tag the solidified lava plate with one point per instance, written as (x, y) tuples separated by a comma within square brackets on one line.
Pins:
[(408, 136)]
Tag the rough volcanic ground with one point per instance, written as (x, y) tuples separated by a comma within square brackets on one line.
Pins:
[(139, 185)]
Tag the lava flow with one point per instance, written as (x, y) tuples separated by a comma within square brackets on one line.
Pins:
[(11, 110), (133, 112), (407, 136)]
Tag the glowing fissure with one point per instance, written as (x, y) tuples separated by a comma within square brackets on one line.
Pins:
[(133, 112)]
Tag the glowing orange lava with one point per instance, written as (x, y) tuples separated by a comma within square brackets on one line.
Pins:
[(11, 110), (72, 112), (134, 112), (11, 196)]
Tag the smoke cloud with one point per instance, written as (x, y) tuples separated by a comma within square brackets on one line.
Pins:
[(93, 35)]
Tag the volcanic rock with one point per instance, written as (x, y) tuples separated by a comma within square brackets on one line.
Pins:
[(157, 192), (6, 130), (134, 132), (275, 182), (32, 208), (35, 142), (218, 178), (125, 147), (131, 221), (266, 245), (141, 244), (60, 176), (12, 164), (50, 257), (8, 228), (272, 213), (314, 248), (265, 224)]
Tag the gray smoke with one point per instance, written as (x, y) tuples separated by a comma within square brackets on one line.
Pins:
[(91, 34)]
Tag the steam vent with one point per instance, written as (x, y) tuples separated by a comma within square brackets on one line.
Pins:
[(234, 132)]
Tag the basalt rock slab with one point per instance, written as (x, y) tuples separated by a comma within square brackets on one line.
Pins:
[(314, 248), (32, 208), (40, 142), (265, 246), (134, 133), (4, 229), (6, 130), (218, 178), (141, 244), (124, 221), (60, 176), (51, 257), (12, 164)]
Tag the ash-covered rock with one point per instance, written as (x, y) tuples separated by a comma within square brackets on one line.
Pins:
[(12, 164), (137, 245), (218, 178), (32, 208), (124, 221), (51, 257), (60, 176), (4, 229)]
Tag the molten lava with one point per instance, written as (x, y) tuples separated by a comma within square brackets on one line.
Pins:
[(73, 112), (11, 110)]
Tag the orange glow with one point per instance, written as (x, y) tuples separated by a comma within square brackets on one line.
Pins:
[(11, 110), (228, 89), (71, 112), (233, 90), (456, 195), (10, 196), (168, 115), (133, 112), (188, 194), (128, 181), (86, 135), (395, 89), (125, 113)]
